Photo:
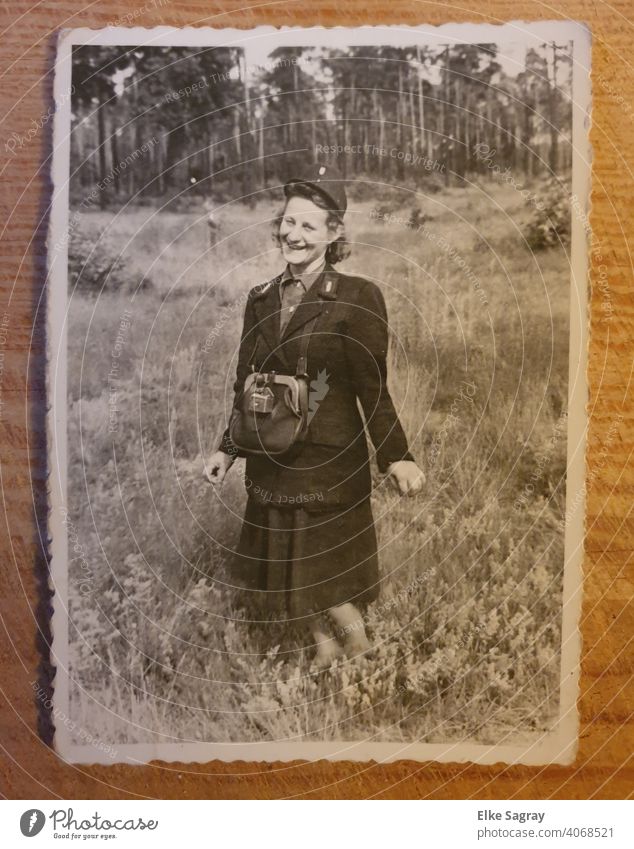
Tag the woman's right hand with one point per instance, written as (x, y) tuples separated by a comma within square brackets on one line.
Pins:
[(217, 466)]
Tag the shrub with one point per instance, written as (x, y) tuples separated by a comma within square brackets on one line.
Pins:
[(95, 265), (550, 226)]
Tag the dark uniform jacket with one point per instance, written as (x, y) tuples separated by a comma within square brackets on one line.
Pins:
[(346, 361)]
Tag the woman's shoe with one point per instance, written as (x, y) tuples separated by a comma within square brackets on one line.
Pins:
[(356, 647), (326, 654)]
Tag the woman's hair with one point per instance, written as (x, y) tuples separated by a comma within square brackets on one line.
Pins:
[(337, 250)]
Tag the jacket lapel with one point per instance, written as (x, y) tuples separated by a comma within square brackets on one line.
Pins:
[(311, 304), (267, 313)]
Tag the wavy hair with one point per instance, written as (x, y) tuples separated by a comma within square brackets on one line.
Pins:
[(337, 250)]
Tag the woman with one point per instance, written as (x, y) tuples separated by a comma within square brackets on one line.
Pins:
[(308, 534)]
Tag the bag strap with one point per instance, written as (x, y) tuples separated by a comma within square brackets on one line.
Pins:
[(301, 368), (302, 361), (327, 292)]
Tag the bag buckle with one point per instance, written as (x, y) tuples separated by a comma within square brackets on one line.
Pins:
[(262, 399), (300, 371)]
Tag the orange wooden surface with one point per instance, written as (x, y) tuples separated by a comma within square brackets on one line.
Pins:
[(604, 767)]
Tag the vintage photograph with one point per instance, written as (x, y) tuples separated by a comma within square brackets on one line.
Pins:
[(317, 372)]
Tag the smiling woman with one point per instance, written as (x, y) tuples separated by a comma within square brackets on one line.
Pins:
[(303, 232), (319, 557)]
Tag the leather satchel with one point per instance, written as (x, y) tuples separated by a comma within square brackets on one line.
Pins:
[(271, 413)]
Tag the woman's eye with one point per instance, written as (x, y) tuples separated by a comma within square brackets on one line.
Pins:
[(289, 221), (308, 227)]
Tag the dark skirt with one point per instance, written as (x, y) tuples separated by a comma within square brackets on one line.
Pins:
[(303, 562)]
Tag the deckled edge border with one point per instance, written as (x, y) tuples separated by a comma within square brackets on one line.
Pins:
[(573, 572)]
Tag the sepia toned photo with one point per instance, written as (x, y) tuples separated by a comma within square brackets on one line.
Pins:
[(317, 372)]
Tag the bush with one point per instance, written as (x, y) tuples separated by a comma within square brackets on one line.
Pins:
[(550, 226), (96, 265)]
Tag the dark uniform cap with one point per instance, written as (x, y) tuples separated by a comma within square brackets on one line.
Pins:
[(326, 180)]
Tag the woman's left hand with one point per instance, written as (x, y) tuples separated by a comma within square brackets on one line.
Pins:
[(408, 476)]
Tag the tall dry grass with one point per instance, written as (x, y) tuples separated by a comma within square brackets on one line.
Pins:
[(467, 628)]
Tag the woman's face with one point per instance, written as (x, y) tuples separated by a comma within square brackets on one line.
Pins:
[(304, 232)]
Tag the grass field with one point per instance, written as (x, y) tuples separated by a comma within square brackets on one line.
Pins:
[(467, 627)]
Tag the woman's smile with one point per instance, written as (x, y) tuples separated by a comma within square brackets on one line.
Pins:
[(293, 247), (304, 233)]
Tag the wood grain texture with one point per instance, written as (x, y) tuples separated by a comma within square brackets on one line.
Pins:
[(604, 768)]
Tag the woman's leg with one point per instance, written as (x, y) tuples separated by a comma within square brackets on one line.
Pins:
[(350, 627), (328, 649)]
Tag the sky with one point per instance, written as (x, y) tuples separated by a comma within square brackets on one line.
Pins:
[(259, 46), (510, 56)]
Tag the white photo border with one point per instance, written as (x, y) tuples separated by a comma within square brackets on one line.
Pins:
[(557, 747)]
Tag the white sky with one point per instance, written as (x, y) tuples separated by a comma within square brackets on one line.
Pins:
[(259, 46), (510, 56)]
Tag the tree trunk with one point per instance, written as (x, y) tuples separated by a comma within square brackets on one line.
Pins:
[(101, 140), (114, 155), (400, 112), (445, 124), (415, 135), (468, 117), (552, 115), (261, 153), (209, 150), (381, 138), (421, 102)]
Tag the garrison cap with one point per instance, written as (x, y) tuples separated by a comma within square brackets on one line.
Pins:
[(327, 181)]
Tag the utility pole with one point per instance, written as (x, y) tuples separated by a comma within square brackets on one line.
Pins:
[(445, 123), (553, 158)]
